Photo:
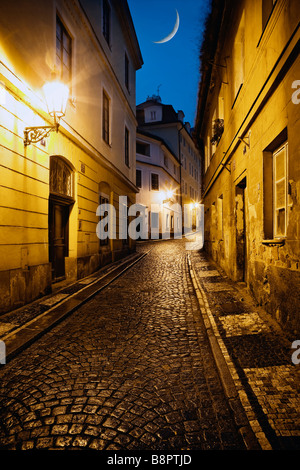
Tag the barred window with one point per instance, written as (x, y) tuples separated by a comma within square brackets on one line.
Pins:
[(61, 177)]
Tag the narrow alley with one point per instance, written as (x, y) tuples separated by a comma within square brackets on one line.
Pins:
[(133, 369)]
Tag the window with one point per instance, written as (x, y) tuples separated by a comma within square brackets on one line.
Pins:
[(143, 149), (207, 153), (153, 115), (139, 178), (220, 216), (126, 146), (238, 59), (166, 161), (275, 187), (167, 221), (280, 196), (105, 118), (127, 72), (61, 177), (106, 21), (63, 52), (154, 182)]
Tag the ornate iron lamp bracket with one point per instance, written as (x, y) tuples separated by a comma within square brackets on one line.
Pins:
[(36, 134)]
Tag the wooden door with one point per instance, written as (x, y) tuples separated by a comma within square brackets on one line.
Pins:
[(58, 238)]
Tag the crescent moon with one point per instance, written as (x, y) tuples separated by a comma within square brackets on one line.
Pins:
[(172, 34)]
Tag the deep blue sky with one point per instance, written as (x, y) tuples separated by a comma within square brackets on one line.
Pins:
[(174, 66)]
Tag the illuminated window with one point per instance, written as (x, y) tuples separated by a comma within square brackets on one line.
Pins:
[(277, 198), (280, 196), (63, 52)]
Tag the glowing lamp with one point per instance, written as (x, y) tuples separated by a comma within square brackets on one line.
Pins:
[(56, 97)]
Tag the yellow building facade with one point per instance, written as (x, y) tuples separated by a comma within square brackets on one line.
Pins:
[(248, 130), (50, 190)]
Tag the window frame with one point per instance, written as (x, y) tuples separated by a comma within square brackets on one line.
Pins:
[(138, 179), (127, 71), (105, 117), (276, 182), (127, 146), (106, 21), (151, 182), (59, 59)]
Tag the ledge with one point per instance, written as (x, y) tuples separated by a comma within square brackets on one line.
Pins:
[(274, 242)]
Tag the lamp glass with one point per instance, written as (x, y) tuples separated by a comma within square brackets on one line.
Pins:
[(56, 95)]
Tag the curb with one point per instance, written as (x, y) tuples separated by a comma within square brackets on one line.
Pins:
[(22, 337), (231, 393)]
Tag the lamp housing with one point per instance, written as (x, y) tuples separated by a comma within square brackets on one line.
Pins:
[(56, 96)]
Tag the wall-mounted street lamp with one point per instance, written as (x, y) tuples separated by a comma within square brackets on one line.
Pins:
[(56, 96), (166, 196)]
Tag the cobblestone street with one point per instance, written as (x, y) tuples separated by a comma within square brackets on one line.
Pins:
[(132, 369)]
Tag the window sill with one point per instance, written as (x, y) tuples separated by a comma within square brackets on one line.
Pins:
[(274, 242)]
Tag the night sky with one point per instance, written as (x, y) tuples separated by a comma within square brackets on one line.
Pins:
[(172, 67)]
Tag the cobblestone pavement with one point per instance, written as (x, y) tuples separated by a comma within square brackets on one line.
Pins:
[(258, 354), (131, 369)]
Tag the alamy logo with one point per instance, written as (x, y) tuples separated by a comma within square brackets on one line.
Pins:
[(296, 354), (296, 94), (2, 93), (139, 228), (2, 353)]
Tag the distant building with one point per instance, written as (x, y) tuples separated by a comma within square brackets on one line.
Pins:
[(50, 190), (247, 127), (164, 122), (158, 178)]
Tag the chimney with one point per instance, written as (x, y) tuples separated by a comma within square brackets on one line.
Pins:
[(180, 116)]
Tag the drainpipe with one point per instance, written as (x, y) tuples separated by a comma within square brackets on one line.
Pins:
[(179, 147)]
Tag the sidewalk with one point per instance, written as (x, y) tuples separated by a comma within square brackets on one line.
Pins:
[(21, 327), (253, 355)]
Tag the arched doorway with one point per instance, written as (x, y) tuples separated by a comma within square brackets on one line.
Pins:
[(61, 199)]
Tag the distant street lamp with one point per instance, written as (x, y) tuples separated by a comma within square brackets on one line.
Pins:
[(56, 96)]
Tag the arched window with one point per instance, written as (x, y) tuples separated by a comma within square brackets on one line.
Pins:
[(61, 178)]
